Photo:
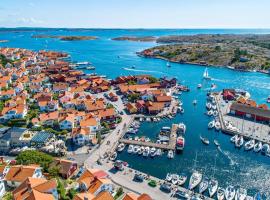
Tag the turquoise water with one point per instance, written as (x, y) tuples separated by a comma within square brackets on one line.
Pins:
[(228, 165)]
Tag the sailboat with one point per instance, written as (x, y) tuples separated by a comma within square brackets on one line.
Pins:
[(206, 75)]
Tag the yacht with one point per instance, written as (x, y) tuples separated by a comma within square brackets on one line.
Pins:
[(158, 152), (180, 143), (211, 124), (130, 148), (208, 106), (215, 113), (169, 177), (136, 149), (175, 179), (153, 152), (121, 147), (203, 185), (140, 150), (220, 193), (205, 140), (170, 154), (90, 68), (249, 145), (210, 112), (230, 193), (241, 194), (206, 75), (214, 107), (258, 147), (239, 142), (217, 125), (146, 151), (265, 149), (195, 179), (213, 186), (216, 143), (182, 179), (181, 128), (234, 138)]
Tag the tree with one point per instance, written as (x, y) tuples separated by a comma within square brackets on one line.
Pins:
[(35, 157), (71, 193), (133, 97), (8, 196), (53, 171), (119, 192), (153, 79), (61, 190)]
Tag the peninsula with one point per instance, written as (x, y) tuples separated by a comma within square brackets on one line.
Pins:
[(241, 52), (136, 39), (67, 38)]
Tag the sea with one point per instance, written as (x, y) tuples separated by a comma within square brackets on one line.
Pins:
[(230, 166)]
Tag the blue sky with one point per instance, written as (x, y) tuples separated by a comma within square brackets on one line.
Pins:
[(135, 13)]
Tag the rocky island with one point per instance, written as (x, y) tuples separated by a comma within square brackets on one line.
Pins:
[(240, 52), (136, 39), (67, 38)]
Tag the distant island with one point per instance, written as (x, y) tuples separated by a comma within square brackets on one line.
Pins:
[(67, 38), (240, 52), (3, 41), (136, 39)]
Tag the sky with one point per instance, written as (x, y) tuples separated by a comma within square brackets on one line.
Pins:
[(135, 13)]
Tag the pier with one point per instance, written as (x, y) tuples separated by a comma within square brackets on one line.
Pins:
[(170, 146), (246, 128)]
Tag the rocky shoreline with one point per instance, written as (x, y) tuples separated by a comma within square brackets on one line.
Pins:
[(136, 39), (67, 38)]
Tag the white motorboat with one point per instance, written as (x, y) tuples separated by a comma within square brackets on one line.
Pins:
[(214, 107), (181, 128), (182, 179), (210, 113), (205, 140), (195, 179), (199, 86), (130, 148), (249, 145), (216, 143), (170, 154), (234, 138), (146, 151), (113, 156), (175, 179), (265, 149), (158, 152), (203, 185), (239, 141), (211, 124), (230, 193), (206, 74), (153, 152), (241, 194), (180, 143), (194, 102), (220, 193), (140, 150), (121, 147), (180, 109), (212, 188), (169, 177), (208, 106), (168, 64), (215, 113), (258, 147), (136, 149), (217, 125)]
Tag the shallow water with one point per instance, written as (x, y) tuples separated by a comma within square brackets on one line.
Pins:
[(113, 58)]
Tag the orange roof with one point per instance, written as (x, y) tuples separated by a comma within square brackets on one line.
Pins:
[(106, 113), (164, 98), (88, 122), (83, 196), (97, 183), (105, 195), (132, 196), (19, 173), (64, 165), (49, 116)]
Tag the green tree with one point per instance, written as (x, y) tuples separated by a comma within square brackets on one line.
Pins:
[(119, 192), (71, 193), (133, 97), (54, 171), (35, 157), (153, 79)]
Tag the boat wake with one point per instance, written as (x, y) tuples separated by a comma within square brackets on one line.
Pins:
[(226, 154), (141, 70), (220, 80)]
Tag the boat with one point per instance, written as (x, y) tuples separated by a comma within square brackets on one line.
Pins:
[(130, 148), (212, 188), (199, 86), (175, 178), (215, 113), (206, 75), (249, 145), (170, 154), (180, 143), (113, 156), (194, 102), (168, 177), (90, 68), (81, 67), (181, 128), (140, 150), (180, 110), (220, 193), (158, 152), (203, 185), (241, 194), (268, 99), (239, 142), (136, 149), (182, 179), (211, 124), (205, 140), (234, 138), (258, 147), (146, 151), (216, 143), (168, 64), (265, 149), (118, 165), (214, 107), (195, 179), (121, 147), (208, 106), (153, 152), (83, 63), (217, 125), (210, 112), (230, 193)]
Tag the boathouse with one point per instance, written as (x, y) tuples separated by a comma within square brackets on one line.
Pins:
[(251, 112)]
